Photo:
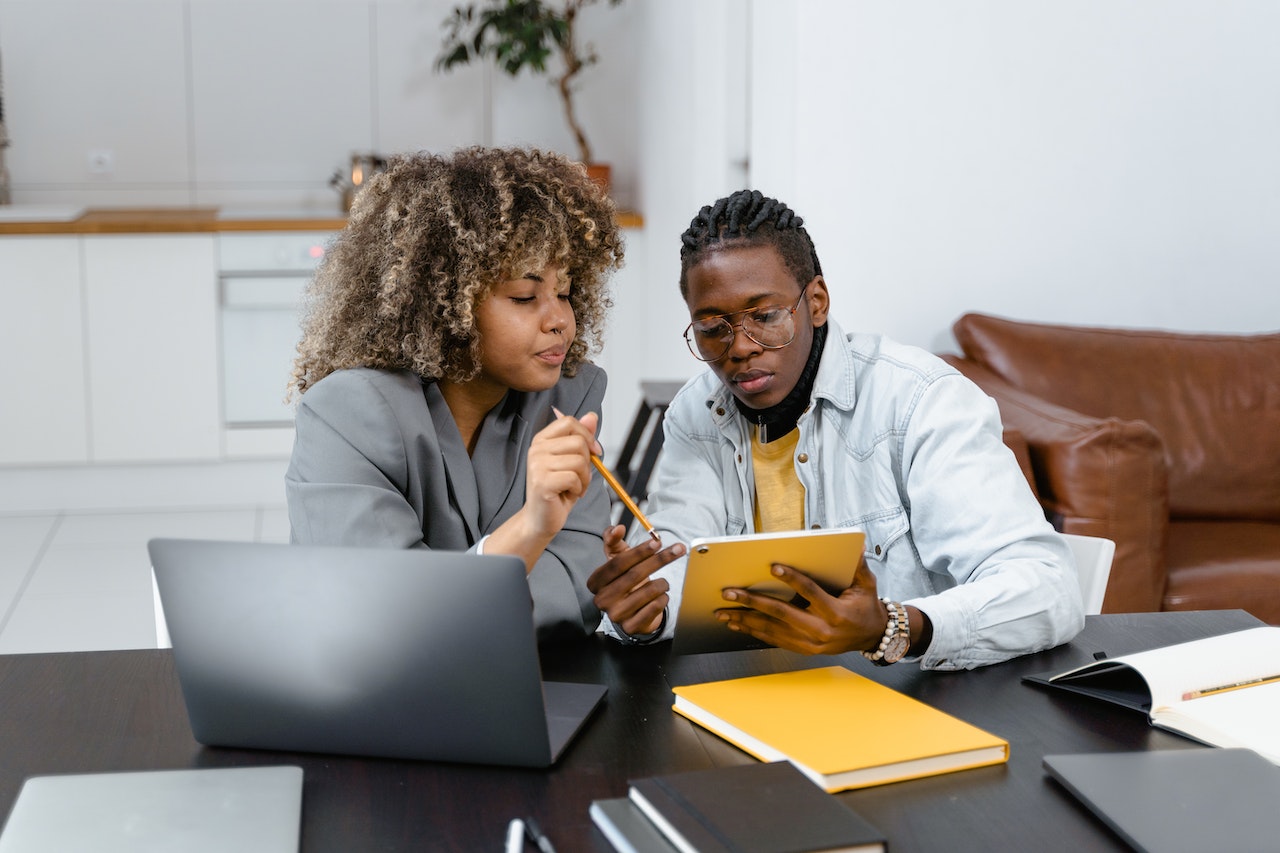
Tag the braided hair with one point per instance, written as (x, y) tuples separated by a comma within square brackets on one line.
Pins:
[(736, 221)]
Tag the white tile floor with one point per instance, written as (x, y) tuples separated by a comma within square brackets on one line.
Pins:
[(74, 574)]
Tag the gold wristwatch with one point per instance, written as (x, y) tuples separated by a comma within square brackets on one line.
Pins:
[(897, 636)]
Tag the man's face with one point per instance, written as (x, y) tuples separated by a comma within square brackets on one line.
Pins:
[(730, 281)]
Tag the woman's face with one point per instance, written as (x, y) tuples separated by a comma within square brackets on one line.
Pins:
[(526, 325)]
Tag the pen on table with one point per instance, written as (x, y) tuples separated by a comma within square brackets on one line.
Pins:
[(535, 833), (1196, 694), (515, 836), (621, 492)]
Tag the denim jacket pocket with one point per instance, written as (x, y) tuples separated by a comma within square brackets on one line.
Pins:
[(885, 531)]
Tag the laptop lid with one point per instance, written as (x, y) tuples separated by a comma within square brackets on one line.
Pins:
[(1179, 800), (376, 652), (245, 809)]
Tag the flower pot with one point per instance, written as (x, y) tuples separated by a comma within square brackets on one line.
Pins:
[(600, 173)]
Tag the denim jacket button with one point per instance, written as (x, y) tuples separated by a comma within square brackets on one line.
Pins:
[(719, 410), (803, 457), (877, 550)]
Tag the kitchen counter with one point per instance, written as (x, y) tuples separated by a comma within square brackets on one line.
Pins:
[(184, 220)]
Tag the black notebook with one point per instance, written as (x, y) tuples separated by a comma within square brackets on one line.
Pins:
[(1172, 801), (626, 827), (751, 808)]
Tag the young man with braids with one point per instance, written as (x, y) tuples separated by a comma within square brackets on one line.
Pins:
[(798, 424), (446, 397)]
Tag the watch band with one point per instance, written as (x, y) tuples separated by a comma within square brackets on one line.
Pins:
[(897, 636)]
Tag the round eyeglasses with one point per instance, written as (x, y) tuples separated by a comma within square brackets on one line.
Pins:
[(770, 326)]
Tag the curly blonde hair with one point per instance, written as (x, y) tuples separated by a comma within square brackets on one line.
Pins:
[(426, 241)]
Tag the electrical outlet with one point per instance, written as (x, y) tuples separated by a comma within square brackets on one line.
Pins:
[(102, 161)]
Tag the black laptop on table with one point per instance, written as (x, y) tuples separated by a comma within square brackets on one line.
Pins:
[(374, 652)]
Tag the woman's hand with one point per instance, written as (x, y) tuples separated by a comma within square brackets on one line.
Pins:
[(622, 586), (557, 472), (852, 621)]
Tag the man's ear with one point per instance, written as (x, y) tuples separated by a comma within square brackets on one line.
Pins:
[(819, 300)]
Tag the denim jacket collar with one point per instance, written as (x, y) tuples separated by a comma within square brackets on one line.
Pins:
[(836, 383)]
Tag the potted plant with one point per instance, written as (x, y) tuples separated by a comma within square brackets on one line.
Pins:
[(519, 34)]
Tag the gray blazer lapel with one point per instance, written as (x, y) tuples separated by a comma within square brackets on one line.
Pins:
[(463, 488), (499, 460)]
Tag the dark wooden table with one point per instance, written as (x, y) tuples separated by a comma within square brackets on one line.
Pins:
[(102, 711)]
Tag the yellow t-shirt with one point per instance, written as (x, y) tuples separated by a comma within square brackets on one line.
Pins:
[(779, 492)]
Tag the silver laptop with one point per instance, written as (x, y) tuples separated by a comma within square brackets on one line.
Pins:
[(375, 652), (209, 810)]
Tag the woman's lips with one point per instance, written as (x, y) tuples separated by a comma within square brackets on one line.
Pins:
[(555, 355)]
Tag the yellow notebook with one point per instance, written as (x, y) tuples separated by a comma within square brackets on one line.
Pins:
[(840, 729)]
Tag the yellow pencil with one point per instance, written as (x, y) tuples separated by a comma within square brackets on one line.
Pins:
[(617, 487), (626, 498), (1196, 694)]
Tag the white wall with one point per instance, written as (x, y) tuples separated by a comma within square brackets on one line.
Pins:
[(694, 120), (256, 103), (1087, 162)]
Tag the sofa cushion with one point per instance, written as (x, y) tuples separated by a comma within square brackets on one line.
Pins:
[(1096, 477), (1224, 565), (1214, 400)]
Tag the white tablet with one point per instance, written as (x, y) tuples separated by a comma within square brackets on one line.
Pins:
[(830, 557)]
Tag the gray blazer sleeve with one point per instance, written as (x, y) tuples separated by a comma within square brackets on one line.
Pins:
[(559, 578), (369, 468), (348, 482)]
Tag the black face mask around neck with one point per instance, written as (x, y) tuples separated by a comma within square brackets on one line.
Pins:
[(780, 419)]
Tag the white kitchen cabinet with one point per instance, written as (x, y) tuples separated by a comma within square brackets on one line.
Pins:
[(152, 332), (42, 386)]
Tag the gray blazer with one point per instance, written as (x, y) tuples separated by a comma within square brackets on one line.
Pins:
[(378, 461)]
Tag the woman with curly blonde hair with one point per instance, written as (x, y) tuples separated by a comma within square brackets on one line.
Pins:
[(446, 400)]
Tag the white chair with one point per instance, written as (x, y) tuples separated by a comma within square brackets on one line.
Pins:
[(162, 627), (1093, 564)]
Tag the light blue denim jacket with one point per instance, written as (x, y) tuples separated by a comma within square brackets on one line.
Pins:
[(898, 444)]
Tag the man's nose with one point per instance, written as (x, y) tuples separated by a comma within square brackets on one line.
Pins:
[(742, 346)]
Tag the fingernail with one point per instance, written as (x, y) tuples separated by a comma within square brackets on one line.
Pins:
[(777, 571), (677, 549), (730, 595), (723, 617)]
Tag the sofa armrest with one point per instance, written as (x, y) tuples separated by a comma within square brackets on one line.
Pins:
[(1098, 477), (1016, 442)]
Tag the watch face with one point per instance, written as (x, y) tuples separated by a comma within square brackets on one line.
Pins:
[(897, 648)]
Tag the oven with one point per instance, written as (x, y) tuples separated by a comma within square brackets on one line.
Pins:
[(262, 278)]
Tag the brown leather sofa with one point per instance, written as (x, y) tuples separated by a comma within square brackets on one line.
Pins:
[(1167, 443)]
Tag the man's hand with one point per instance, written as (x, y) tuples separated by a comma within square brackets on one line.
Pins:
[(852, 621), (622, 587)]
